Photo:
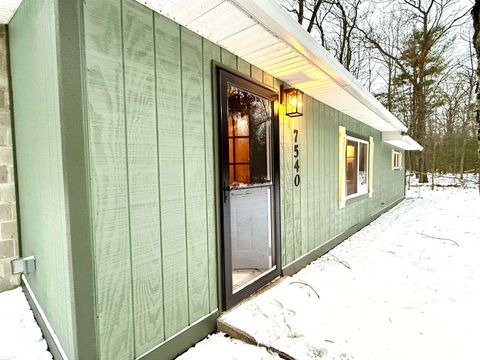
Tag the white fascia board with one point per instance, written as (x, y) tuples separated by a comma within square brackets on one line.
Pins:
[(405, 143), (281, 24)]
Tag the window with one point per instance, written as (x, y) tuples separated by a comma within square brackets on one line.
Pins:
[(249, 134), (396, 160), (356, 167)]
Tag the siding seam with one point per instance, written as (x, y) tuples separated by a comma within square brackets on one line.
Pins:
[(88, 168), (132, 295), (184, 183), (205, 173), (158, 166)]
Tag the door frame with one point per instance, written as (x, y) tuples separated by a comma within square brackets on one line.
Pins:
[(222, 76)]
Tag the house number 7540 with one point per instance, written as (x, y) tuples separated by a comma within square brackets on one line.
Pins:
[(296, 152)]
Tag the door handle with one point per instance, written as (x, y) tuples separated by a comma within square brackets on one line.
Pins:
[(226, 189)]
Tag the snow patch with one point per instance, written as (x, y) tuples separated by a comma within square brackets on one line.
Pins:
[(220, 346), (407, 286), (20, 336)]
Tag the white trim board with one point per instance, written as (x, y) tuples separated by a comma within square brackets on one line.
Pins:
[(38, 309)]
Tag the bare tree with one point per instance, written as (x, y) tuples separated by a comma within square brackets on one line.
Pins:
[(467, 80), (335, 23), (390, 32), (476, 44), (409, 58), (422, 59)]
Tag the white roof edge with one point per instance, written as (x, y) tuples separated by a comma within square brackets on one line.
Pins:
[(405, 142), (7, 10), (281, 24)]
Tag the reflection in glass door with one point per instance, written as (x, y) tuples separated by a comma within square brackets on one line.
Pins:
[(249, 138), (248, 185)]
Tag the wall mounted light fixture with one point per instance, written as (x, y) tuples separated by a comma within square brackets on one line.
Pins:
[(293, 100)]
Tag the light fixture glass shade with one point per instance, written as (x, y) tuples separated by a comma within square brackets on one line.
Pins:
[(294, 102)]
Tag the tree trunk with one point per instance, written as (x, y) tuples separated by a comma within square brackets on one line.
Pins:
[(455, 155), (433, 164), (476, 45), (462, 157), (301, 4), (421, 131)]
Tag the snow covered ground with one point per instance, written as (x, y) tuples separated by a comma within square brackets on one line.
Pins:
[(405, 287), (470, 180), (219, 346), (20, 336)]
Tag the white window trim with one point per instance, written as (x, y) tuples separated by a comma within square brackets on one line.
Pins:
[(347, 197), (396, 154)]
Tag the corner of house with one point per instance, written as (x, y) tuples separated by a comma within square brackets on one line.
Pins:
[(9, 248)]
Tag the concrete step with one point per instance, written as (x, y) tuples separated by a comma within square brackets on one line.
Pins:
[(230, 329)]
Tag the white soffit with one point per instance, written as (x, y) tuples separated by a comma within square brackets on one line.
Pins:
[(264, 34), (401, 141), (7, 9)]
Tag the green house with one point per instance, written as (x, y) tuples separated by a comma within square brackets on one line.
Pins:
[(173, 157)]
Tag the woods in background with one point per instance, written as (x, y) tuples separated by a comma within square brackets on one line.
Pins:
[(417, 57)]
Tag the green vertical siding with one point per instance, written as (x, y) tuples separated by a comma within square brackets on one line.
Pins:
[(228, 59), (151, 136), (172, 195), (194, 165), (151, 160), (210, 52), (107, 129), (303, 210), (243, 67), (151, 129), (143, 179), (320, 218), (35, 84), (308, 175)]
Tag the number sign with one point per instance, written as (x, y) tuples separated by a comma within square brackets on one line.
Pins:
[(296, 153)]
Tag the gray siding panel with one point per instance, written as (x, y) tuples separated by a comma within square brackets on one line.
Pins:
[(33, 42)]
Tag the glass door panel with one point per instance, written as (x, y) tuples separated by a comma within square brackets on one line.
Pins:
[(250, 186), (249, 193), (251, 235)]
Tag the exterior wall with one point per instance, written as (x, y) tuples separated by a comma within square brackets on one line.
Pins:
[(44, 233), (151, 173), (8, 223), (151, 135), (310, 212)]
